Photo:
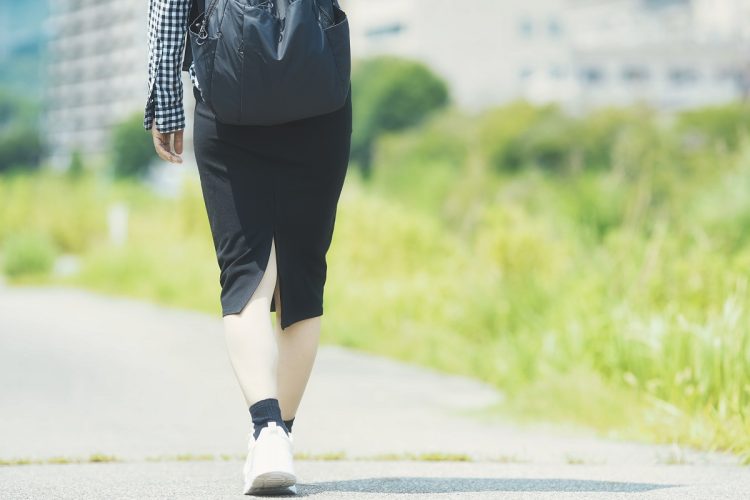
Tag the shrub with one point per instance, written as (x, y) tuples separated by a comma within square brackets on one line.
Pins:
[(601, 130), (552, 142), (422, 165), (76, 167), (507, 136), (70, 211), (28, 253), (717, 125)]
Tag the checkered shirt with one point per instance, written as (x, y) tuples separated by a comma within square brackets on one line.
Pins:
[(167, 27)]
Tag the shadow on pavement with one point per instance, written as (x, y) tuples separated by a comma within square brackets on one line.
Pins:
[(469, 485)]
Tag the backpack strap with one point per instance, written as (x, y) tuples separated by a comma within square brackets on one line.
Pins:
[(196, 8)]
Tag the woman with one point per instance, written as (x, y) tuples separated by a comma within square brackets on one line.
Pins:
[(270, 194)]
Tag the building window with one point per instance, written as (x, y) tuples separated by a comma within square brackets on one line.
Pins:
[(635, 74), (385, 30), (592, 75), (526, 28), (683, 76), (556, 72), (525, 73), (728, 75), (554, 28)]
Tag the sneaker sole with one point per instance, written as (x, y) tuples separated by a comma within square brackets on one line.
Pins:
[(273, 481)]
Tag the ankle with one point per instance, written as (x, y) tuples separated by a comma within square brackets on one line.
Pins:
[(289, 423), (264, 411)]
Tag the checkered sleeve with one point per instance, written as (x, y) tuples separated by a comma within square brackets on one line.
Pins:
[(167, 26)]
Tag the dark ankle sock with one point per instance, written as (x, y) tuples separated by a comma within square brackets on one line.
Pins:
[(289, 423), (265, 411)]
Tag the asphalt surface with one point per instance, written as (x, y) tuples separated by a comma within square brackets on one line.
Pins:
[(152, 387), (374, 479)]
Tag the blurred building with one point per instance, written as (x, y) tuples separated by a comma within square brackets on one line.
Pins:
[(488, 50), (97, 73), (670, 53)]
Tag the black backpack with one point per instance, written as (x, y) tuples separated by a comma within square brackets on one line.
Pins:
[(266, 62)]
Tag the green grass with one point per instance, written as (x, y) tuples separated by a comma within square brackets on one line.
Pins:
[(60, 460), (333, 455)]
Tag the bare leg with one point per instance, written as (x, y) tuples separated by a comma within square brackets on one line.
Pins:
[(298, 346), (251, 341)]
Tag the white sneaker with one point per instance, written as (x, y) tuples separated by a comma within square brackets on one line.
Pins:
[(269, 467)]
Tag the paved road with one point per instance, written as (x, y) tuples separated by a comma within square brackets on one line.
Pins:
[(84, 373), (380, 480)]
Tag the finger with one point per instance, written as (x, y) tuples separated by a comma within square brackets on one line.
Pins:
[(168, 146), (162, 144), (178, 142), (163, 149), (158, 140), (158, 146)]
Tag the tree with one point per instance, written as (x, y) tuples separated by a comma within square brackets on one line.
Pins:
[(20, 141), (132, 149), (76, 167), (390, 93)]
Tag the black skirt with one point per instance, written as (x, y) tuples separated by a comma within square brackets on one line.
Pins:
[(281, 182)]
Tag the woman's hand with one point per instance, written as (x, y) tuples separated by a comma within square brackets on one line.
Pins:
[(164, 142)]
